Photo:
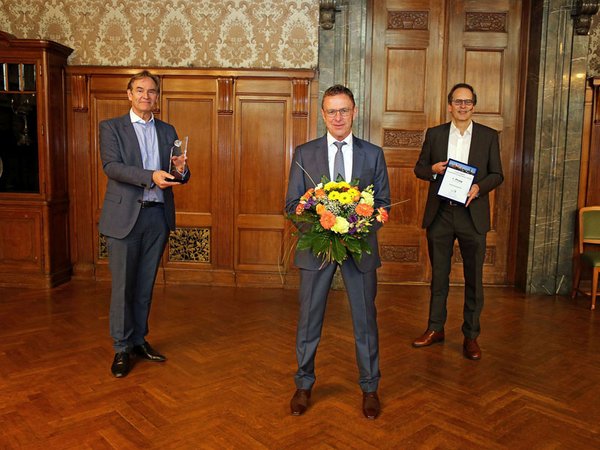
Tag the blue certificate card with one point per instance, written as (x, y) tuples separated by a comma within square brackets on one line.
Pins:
[(457, 181)]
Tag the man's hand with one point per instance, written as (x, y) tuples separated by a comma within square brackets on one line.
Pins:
[(473, 193), (439, 168), (161, 179)]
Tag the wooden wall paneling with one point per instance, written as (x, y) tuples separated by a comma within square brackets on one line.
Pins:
[(407, 69), (194, 250), (239, 122), (262, 140), (80, 177), (485, 53)]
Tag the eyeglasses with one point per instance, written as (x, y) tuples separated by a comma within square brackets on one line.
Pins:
[(460, 101), (331, 113)]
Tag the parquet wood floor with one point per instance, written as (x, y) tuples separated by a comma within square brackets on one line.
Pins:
[(229, 377)]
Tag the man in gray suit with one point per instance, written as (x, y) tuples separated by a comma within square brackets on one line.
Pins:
[(137, 214), (446, 221), (365, 162)]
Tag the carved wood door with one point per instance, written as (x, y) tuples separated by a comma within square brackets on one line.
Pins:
[(421, 48)]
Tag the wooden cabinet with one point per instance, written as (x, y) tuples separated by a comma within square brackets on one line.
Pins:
[(34, 207)]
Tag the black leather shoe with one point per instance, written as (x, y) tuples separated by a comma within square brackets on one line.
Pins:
[(147, 352), (371, 406), (121, 365), (299, 401)]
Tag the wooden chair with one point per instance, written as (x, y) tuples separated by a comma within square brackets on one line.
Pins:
[(589, 233)]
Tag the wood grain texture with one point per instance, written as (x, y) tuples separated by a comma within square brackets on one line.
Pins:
[(229, 376)]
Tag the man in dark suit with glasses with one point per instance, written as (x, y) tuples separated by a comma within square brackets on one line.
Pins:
[(446, 221)]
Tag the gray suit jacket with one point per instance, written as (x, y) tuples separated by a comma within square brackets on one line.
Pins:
[(368, 166), (484, 154), (122, 163)]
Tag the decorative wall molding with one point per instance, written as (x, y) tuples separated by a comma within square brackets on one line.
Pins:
[(79, 93), (225, 95), (300, 97), (402, 138), (408, 20), (486, 22), (327, 14), (398, 253), (583, 10), (189, 245)]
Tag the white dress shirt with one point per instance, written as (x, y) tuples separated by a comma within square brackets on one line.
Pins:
[(459, 144)]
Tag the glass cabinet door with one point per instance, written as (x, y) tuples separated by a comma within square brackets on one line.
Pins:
[(19, 171)]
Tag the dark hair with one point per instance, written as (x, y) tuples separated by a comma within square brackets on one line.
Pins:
[(144, 74), (338, 89), (459, 86)]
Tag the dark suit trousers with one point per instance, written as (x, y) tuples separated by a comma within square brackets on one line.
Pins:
[(361, 289), (454, 222), (133, 263)]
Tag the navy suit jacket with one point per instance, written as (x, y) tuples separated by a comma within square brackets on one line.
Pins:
[(122, 163), (484, 154), (368, 166)]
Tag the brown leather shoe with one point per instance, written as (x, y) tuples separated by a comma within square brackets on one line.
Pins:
[(299, 401), (371, 406), (428, 338), (471, 349)]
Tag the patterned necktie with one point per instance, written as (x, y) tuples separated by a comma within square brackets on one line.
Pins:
[(338, 162)]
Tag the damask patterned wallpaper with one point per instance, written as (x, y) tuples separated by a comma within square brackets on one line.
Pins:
[(173, 33)]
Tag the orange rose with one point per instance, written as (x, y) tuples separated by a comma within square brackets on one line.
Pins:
[(320, 209), (362, 209), (327, 220), (299, 208), (383, 215)]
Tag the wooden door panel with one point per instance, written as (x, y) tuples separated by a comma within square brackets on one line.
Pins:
[(262, 143), (407, 72), (420, 49)]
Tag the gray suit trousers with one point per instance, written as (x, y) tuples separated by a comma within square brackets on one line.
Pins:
[(361, 289), (133, 263)]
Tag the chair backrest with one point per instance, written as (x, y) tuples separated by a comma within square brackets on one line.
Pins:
[(589, 226)]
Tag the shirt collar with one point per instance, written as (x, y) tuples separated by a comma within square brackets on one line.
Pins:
[(347, 139), (455, 130), (137, 119)]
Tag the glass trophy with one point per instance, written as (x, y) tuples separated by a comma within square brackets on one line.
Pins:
[(178, 150)]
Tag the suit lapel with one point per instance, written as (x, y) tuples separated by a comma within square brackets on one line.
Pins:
[(322, 159), (131, 141), (358, 159), (164, 147), (474, 155)]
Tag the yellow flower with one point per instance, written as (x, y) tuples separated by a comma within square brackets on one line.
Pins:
[(345, 198), (354, 193), (343, 185), (329, 186), (334, 195), (341, 225)]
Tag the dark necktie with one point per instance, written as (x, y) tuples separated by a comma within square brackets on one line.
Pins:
[(338, 162)]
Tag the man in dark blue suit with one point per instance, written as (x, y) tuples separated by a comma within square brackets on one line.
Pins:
[(137, 214), (365, 162), (446, 221)]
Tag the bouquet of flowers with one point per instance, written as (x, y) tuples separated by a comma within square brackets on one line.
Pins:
[(338, 216)]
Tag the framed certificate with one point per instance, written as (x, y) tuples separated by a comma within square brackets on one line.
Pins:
[(457, 181)]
